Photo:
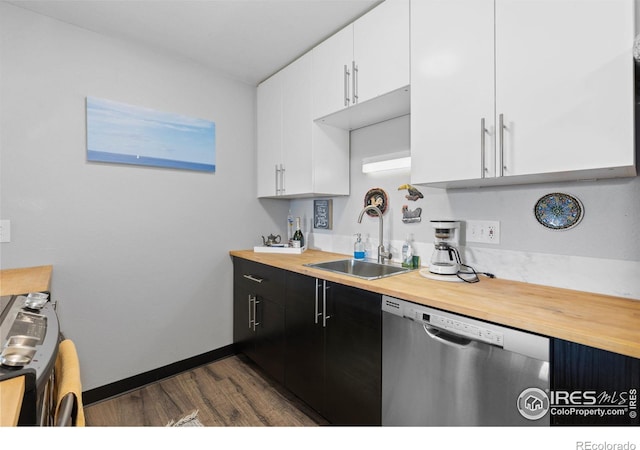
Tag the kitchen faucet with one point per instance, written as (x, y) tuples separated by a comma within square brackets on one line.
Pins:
[(382, 254)]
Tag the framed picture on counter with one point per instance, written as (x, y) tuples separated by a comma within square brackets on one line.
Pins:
[(323, 214)]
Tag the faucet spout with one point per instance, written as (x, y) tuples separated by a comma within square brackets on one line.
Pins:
[(382, 254)]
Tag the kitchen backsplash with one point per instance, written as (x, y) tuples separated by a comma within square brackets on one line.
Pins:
[(601, 254), (603, 276)]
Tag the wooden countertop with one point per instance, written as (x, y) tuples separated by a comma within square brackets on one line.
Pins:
[(13, 282), (601, 321), (25, 280), (11, 392)]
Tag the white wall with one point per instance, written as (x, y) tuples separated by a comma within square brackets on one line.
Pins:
[(141, 266), (601, 254)]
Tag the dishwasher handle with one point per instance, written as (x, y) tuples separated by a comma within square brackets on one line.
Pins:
[(447, 338)]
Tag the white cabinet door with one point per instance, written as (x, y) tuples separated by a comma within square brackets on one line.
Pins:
[(363, 61), (452, 90), (564, 84), (296, 127), (562, 108), (296, 156), (332, 66), (381, 50), (269, 135)]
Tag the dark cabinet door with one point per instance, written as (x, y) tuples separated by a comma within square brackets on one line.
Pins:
[(304, 367), (593, 386), (258, 315), (353, 346), (243, 334), (268, 351)]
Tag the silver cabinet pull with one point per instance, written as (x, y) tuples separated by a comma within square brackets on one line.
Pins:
[(282, 179), (255, 308), (503, 167), (483, 130), (354, 71), (252, 278), (346, 86), (324, 304), (251, 310), (279, 179), (316, 311)]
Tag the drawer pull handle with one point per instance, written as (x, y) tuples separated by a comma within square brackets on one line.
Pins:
[(252, 278)]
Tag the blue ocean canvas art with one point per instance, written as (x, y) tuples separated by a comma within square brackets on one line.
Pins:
[(126, 134)]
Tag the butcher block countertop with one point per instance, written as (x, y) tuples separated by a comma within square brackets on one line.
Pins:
[(25, 280), (601, 321)]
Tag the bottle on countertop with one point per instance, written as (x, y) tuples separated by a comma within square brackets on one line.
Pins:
[(358, 248), (407, 253), (289, 228), (298, 237), (367, 247)]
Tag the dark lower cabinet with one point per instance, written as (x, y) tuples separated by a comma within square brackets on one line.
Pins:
[(593, 387), (353, 356), (304, 368), (258, 315), (334, 349)]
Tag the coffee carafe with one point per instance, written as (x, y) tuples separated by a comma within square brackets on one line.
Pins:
[(445, 259)]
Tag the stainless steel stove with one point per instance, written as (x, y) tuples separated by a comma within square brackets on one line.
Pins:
[(29, 345)]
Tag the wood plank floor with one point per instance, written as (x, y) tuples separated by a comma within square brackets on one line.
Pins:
[(228, 392)]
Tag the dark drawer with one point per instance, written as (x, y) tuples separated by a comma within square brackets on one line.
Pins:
[(259, 279)]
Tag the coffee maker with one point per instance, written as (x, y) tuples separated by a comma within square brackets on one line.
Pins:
[(445, 259)]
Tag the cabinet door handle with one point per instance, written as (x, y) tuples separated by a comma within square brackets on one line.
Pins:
[(316, 310), (282, 179), (354, 71), (252, 278), (503, 167), (324, 304), (346, 86), (255, 309), (277, 180), (483, 130), (251, 310)]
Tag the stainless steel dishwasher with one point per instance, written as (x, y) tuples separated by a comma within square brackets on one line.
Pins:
[(442, 369)]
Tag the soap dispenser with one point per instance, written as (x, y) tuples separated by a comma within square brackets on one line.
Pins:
[(358, 248), (407, 253)]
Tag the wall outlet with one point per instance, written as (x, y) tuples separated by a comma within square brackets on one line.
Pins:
[(5, 231), (484, 231)]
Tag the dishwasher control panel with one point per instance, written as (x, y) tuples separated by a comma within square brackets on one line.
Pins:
[(450, 323), (464, 329)]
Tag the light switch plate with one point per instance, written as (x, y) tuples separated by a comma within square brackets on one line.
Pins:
[(484, 231), (5, 231)]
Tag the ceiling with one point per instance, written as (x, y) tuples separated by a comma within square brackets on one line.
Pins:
[(246, 39)]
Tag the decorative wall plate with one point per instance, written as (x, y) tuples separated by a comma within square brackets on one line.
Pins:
[(558, 211), (376, 197)]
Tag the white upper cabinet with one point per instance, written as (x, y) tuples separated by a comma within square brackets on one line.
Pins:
[(297, 157), (548, 97), (381, 49), (332, 66), (269, 135), (452, 90), (364, 61)]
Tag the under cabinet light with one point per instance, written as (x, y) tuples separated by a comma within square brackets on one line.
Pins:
[(390, 161)]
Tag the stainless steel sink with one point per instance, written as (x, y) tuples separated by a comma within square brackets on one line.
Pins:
[(368, 270)]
